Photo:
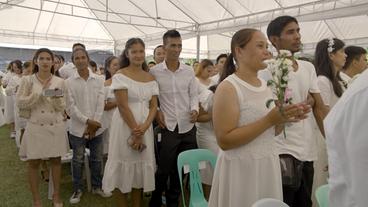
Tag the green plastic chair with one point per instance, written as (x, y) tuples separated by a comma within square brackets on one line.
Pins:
[(192, 159), (322, 195)]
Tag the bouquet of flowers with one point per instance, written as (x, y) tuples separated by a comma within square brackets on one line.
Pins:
[(280, 68)]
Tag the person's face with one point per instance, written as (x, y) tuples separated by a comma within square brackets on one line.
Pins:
[(207, 71), (57, 63), (361, 63), (44, 62), (255, 52), (136, 54), (27, 70), (289, 38), (114, 66), (16, 70), (80, 60), (172, 47), (220, 64), (338, 58), (159, 55)]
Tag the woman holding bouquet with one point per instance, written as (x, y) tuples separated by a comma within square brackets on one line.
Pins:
[(131, 164), (248, 166)]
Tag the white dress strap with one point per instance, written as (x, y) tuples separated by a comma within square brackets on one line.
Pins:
[(235, 83)]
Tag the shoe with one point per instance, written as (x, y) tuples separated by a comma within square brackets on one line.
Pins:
[(100, 192), (12, 134), (76, 197)]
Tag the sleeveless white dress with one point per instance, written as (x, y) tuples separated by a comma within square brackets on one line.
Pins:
[(127, 168), (250, 172)]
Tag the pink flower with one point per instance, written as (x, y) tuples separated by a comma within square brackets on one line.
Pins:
[(288, 94)]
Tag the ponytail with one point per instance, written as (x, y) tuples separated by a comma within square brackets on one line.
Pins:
[(229, 67)]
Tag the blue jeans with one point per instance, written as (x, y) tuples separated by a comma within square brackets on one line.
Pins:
[(95, 160)]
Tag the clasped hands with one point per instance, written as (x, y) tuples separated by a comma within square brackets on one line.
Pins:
[(135, 141), (92, 127)]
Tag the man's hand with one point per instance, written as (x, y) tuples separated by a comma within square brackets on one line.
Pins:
[(193, 116), (160, 119)]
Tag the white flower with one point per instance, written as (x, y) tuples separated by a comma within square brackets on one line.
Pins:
[(288, 62), (285, 78), (285, 53)]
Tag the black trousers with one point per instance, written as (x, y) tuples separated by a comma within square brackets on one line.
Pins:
[(172, 144), (300, 196)]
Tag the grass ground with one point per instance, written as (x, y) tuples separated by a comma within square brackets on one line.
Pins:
[(14, 189)]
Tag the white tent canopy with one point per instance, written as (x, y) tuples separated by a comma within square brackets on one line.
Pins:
[(107, 24)]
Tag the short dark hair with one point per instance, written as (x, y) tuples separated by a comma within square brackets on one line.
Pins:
[(170, 34), (61, 57), (353, 53), (154, 51), (223, 55), (276, 26), (78, 44), (79, 49)]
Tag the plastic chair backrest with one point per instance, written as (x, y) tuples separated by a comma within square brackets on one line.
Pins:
[(192, 159), (322, 195), (269, 202)]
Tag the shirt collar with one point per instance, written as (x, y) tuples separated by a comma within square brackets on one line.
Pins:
[(90, 75), (166, 68)]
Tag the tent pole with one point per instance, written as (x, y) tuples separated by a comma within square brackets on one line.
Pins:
[(198, 42)]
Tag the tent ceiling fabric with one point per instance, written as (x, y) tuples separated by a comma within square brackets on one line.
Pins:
[(107, 24)]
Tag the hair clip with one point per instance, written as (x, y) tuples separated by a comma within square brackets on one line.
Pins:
[(330, 44)]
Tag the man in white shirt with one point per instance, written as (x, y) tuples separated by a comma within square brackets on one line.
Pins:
[(356, 63), (69, 69), (346, 128), (299, 147), (177, 115), (85, 98)]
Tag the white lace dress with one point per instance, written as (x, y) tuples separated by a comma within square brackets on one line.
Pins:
[(250, 172), (127, 168)]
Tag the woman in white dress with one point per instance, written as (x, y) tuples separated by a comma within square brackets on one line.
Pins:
[(45, 136), (330, 58), (206, 138), (248, 166), (9, 99), (111, 66), (11, 90), (131, 164)]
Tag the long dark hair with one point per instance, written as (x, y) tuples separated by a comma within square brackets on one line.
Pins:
[(240, 39), (324, 65), (124, 60), (107, 66), (34, 60)]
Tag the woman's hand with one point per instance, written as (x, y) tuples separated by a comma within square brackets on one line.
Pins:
[(289, 113)]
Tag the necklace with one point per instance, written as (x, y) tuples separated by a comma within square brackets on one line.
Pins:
[(43, 81)]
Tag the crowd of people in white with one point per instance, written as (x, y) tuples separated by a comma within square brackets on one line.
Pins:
[(52, 108)]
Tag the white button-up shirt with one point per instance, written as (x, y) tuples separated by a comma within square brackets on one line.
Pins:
[(85, 100), (346, 128), (178, 95)]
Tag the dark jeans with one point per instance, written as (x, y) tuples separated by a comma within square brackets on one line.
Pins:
[(300, 196), (95, 160), (172, 144)]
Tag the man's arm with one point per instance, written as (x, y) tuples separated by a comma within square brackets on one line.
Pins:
[(319, 111)]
